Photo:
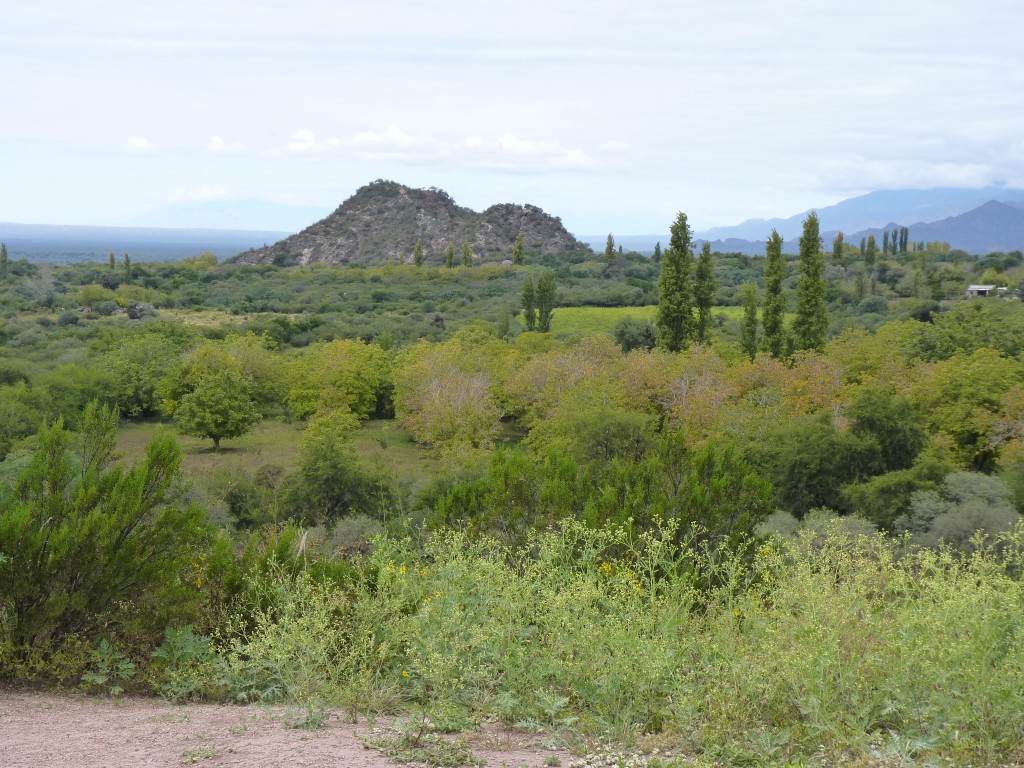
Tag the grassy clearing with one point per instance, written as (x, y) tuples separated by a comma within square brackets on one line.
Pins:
[(383, 446), (380, 446), (580, 321)]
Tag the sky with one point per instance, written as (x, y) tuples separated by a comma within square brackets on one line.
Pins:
[(611, 115)]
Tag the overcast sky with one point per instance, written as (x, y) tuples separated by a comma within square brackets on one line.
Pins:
[(612, 115)]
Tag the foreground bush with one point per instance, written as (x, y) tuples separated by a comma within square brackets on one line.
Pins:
[(831, 640), (92, 548)]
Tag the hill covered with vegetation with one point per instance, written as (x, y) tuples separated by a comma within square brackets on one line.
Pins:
[(383, 222)]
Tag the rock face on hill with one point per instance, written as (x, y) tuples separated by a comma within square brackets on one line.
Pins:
[(382, 221)]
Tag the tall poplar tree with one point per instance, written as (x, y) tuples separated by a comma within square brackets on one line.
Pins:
[(529, 301), (656, 258), (704, 288), (810, 327), (545, 300), (870, 253), (467, 254), (112, 260), (885, 242), (518, 250), (675, 289), (837, 249), (449, 256), (748, 326), (417, 253), (3, 261), (609, 248), (773, 340), (127, 269)]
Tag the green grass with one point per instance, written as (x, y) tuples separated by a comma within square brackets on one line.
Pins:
[(380, 446), (383, 446), (270, 442), (585, 320)]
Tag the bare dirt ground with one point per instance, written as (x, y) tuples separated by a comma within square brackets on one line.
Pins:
[(40, 730)]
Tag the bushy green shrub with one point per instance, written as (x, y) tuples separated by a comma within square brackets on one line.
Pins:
[(93, 547)]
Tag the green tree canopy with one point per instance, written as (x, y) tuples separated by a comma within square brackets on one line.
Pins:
[(675, 289), (810, 327)]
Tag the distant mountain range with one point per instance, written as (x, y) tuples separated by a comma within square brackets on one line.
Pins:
[(978, 221), (874, 210), (384, 220)]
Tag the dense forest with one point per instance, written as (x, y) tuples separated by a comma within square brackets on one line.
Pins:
[(743, 508)]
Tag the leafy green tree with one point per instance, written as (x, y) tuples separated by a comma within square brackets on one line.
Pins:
[(219, 406), (869, 263), (467, 254), (633, 333), (92, 548), (863, 247), (748, 326), (529, 301), (127, 269), (609, 248), (3, 261), (518, 250), (892, 421), (811, 323), (417, 253), (656, 257), (675, 289), (332, 483), (966, 503), (837, 249), (449, 256), (704, 287), (112, 261), (773, 340), (545, 300), (885, 242)]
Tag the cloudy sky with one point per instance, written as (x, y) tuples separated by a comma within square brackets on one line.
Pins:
[(612, 115)]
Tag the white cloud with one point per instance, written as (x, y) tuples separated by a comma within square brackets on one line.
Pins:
[(137, 145), (217, 146), (304, 142)]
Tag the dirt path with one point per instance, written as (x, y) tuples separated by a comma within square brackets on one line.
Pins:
[(40, 730)]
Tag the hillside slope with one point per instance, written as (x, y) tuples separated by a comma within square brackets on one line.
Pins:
[(382, 221)]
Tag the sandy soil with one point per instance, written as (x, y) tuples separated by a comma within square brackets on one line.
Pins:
[(38, 730)]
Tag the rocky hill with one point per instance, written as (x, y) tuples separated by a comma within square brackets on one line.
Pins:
[(382, 221)]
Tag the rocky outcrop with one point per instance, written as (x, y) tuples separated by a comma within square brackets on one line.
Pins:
[(383, 221)]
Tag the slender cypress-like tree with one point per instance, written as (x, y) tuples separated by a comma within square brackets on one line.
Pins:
[(417, 253), (656, 258), (748, 326), (545, 300), (449, 256), (529, 301), (870, 253), (885, 242), (675, 290), (127, 269), (704, 288), (3, 261), (773, 340), (518, 250), (863, 247), (112, 260), (837, 249), (810, 327), (467, 254), (609, 248)]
